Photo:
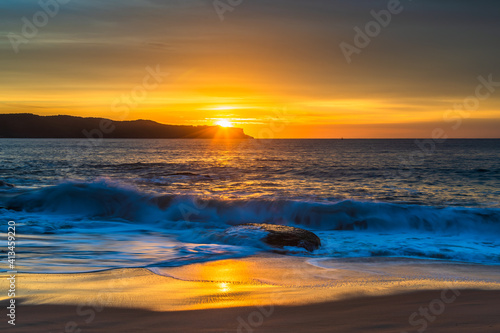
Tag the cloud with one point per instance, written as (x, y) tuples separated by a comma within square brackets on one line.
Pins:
[(287, 50)]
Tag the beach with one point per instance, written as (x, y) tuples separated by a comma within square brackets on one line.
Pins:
[(474, 311), (262, 294)]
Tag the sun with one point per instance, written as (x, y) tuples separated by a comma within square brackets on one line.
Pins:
[(224, 123)]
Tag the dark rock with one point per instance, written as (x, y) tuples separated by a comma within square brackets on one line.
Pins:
[(4, 184), (280, 236)]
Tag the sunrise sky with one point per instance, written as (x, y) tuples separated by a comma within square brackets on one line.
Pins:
[(271, 66)]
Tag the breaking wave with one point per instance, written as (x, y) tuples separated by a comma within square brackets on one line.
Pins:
[(106, 200)]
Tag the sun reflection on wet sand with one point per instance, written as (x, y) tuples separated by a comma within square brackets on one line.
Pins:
[(247, 282)]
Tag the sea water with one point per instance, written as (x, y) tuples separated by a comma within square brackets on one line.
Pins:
[(82, 205)]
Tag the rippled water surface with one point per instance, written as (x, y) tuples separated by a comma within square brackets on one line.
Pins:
[(146, 203), (457, 172)]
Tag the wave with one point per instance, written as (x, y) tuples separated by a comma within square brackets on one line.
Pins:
[(108, 200)]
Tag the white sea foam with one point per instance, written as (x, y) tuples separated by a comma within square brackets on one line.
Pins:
[(73, 223)]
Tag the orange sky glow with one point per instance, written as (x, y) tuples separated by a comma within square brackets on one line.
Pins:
[(275, 73)]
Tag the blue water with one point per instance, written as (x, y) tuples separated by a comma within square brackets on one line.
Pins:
[(146, 203)]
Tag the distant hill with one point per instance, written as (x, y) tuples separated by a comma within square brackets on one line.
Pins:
[(25, 125)]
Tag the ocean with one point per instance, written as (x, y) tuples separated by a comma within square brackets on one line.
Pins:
[(84, 205)]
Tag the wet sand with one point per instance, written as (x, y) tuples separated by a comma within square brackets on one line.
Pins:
[(472, 311), (263, 294)]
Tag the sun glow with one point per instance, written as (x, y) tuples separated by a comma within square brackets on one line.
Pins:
[(224, 123)]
